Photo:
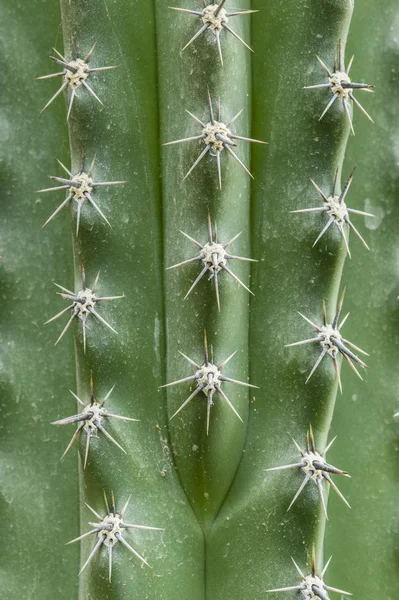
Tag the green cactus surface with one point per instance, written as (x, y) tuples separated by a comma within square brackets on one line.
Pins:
[(205, 221)]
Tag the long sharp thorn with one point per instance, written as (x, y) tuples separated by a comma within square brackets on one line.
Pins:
[(189, 139), (62, 88), (337, 372), (294, 466), (189, 360), (326, 449), (286, 589), (353, 345), (323, 500), (298, 569), (97, 69), (352, 366), (201, 156), (87, 59), (208, 411), (78, 217), (59, 314), (191, 239), (356, 232), (77, 398), (204, 270), (60, 55), (88, 436), (132, 550), (219, 47), (203, 28), (347, 185), (97, 208), (186, 10), (329, 105), (88, 88), (66, 328), (313, 560), (324, 571), (219, 168), (318, 361), (234, 118), (221, 392), (234, 155), (245, 139), (54, 189), (108, 395), (75, 435), (322, 194), (184, 380), (100, 318), (241, 12), (81, 537), (219, 8), (230, 30), (195, 118), (323, 231), (332, 589), (73, 94), (227, 360), (359, 212), (110, 562), (92, 553), (51, 76), (226, 268), (223, 378), (186, 262), (215, 277), (210, 108), (309, 341), (304, 482), (323, 302), (348, 114), (352, 97), (72, 419), (108, 435), (195, 392), (335, 488), (327, 70), (99, 517)]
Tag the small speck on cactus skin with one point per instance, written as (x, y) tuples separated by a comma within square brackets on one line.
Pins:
[(217, 137), (214, 257), (80, 188), (215, 18), (314, 466), (341, 86), (110, 530), (332, 342), (82, 306), (312, 586), (337, 211), (75, 74), (208, 379), (90, 420)]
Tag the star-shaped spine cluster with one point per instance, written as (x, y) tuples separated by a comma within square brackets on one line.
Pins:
[(75, 74), (208, 379), (83, 305), (214, 17), (110, 530), (214, 257), (90, 420), (337, 212), (216, 137), (312, 586), (315, 468), (79, 188), (341, 86), (332, 343)]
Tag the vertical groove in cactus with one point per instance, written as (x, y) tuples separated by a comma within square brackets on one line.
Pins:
[(371, 534), (39, 494)]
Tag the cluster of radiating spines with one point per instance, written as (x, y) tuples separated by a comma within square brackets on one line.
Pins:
[(213, 258), (312, 586), (75, 74), (83, 305), (328, 335), (341, 86), (337, 212), (215, 18), (216, 137), (91, 420), (79, 188), (208, 379), (315, 468), (110, 530)]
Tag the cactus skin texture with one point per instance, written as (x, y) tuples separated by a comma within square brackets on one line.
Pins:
[(372, 532), (227, 533)]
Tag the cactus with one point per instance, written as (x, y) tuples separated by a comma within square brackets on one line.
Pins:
[(195, 465)]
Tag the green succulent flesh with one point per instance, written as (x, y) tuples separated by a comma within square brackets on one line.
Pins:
[(226, 531)]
